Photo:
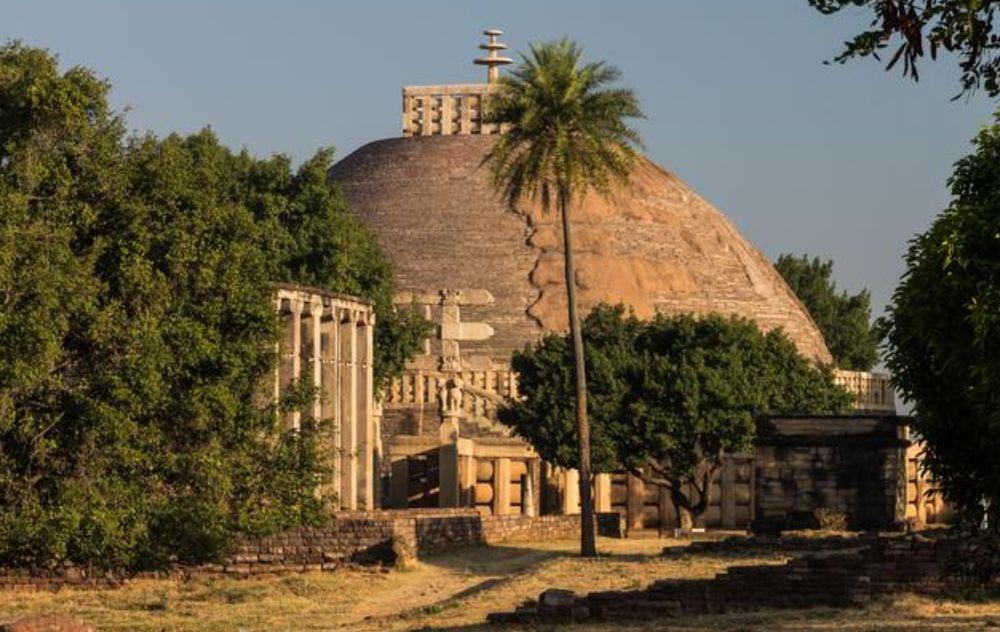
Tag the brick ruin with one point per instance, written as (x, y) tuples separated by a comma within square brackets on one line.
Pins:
[(852, 573)]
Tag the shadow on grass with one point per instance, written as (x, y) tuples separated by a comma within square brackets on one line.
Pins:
[(815, 619)]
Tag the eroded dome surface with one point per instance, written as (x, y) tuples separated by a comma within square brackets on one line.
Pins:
[(655, 245)]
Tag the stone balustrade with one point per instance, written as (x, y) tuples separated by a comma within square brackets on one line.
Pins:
[(417, 386), (446, 110), (872, 391)]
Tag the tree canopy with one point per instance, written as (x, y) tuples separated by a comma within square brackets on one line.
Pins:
[(667, 396), (942, 333), (927, 27), (137, 325), (844, 320)]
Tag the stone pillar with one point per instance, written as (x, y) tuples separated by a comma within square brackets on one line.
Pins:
[(466, 473), (535, 472), (446, 113), (312, 344), (571, 491), (426, 115), (295, 418), (448, 475), (602, 493), (363, 416), (501, 487), (380, 490), (330, 352), (527, 496), (289, 362), (348, 409), (407, 114), (279, 354)]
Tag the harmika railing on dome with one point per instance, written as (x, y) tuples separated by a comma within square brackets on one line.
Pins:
[(456, 108), (871, 391)]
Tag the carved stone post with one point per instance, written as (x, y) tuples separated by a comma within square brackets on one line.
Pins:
[(571, 491), (602, 493), (501, 487), (528, 495), (448, 468)]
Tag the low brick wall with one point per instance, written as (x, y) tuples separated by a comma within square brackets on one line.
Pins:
[(46, 623), (851, 578), (56, 578), (439, 533), (378, 538)]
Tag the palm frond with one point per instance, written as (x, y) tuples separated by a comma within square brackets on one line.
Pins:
[(568, 129)]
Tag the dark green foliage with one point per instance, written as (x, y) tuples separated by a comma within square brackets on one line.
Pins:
[(136, 327), (844, 320), (942, 333), (963, 27), (667, 396)]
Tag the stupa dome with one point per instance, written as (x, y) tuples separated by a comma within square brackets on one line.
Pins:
[(655, 245)]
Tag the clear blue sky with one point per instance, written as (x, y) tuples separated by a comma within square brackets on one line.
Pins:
[(845, 162)]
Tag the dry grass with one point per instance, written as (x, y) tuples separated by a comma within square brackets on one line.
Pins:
[(457, 590)]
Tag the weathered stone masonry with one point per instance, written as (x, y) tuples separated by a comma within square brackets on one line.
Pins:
[(327, 342)]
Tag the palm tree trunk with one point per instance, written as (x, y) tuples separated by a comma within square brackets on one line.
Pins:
[(588, 543)]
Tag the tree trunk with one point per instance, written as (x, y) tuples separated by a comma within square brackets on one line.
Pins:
[(588, 543), (685, 519)]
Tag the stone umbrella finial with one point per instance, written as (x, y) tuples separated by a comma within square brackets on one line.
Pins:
[(493, 61)]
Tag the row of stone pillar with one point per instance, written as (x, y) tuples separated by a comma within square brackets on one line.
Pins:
[(327, 343)]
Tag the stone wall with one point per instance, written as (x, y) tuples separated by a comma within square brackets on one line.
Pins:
[(850, 465), (380, 538)]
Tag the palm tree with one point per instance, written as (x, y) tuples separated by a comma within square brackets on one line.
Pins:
[(566, 133)]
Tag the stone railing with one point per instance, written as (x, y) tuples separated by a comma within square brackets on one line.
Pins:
[(871, 391), (423, 387), (482, 392), (446, 110)]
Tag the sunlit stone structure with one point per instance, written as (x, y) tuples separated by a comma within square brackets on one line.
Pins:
[(327, 343), (491, 279)]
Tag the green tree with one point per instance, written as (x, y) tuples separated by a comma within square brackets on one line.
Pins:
[(926, 27), (136, 327), (942, 333), (668, 396), (844, 320), (567, 134)]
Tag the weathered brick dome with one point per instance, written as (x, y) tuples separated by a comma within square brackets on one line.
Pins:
[(655, 245)]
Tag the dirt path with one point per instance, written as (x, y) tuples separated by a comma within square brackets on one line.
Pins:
[(440, 582)]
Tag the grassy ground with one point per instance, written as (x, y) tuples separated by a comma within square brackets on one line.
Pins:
[(457, 590)]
